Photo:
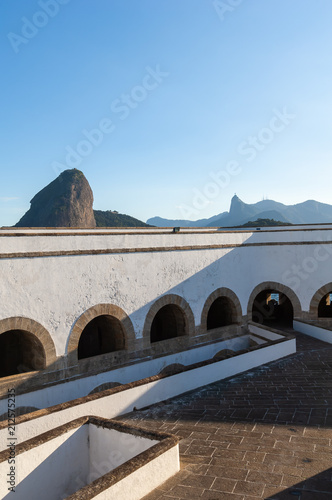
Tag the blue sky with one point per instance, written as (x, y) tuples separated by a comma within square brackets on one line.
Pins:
[(169, 107)]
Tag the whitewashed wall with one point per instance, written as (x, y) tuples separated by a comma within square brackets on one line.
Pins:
[(146, 478), (55, 291), (110, 448), (60, 466), (315, 331), (51, 469)]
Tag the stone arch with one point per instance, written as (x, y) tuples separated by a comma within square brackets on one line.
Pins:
[(223, 354), (172, 369), (104, 387), (224, 297), (179, 306), (291, 303), (91, 314), (317, 309), (22, 334)]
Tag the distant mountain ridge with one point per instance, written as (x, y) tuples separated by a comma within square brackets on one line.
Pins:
[(308, 212), (68, 202), (109, 218), (160, 222)]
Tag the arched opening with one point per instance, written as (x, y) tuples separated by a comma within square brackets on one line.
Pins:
[(221, 308), (20, 352), (221, 313), (272, 308), (172, 369), (100, 329), (325, 306), (168, 323), (224, 354), (101, 335)]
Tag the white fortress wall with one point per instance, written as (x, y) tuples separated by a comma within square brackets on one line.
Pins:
[(56, 290), (56, 281)]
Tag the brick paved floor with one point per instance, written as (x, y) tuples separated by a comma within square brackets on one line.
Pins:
[(264, 434)]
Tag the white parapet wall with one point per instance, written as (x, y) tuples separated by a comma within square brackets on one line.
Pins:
[(264, 332), (49, 469), (146, 479), (126, 398), (315, 331), (90, 458), (81, 387)]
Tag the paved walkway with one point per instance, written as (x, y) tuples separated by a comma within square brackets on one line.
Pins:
[(265, 434)]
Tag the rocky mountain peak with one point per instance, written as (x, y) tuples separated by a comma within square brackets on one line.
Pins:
[(65, 202)]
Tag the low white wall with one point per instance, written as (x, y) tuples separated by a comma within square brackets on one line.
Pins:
[(258, 340), (52, 469), (63, 465), (313, 331), (79, 388), (152, 392), (260, 330), (146, 479), (110, 448)]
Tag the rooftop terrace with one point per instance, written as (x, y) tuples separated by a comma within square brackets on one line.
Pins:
[(265, 434)]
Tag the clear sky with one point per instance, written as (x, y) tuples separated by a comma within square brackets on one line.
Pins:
[(169, 107)]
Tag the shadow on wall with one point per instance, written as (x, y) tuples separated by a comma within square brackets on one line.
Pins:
[(76, 459)]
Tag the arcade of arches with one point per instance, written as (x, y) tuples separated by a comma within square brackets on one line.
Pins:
[(106, 329)]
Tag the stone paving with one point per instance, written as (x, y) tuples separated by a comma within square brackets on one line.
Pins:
[(264, 434)]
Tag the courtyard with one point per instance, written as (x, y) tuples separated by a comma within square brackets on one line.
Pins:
[(265, 434)]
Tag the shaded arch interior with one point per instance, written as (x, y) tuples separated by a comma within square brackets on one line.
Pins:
[(271, 307), (222, 312), (324, 309), (179, 316), (221, 308), (101, 335), (288, 304), (168, 323), (95, 322), (20, 352), (321, 302)]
